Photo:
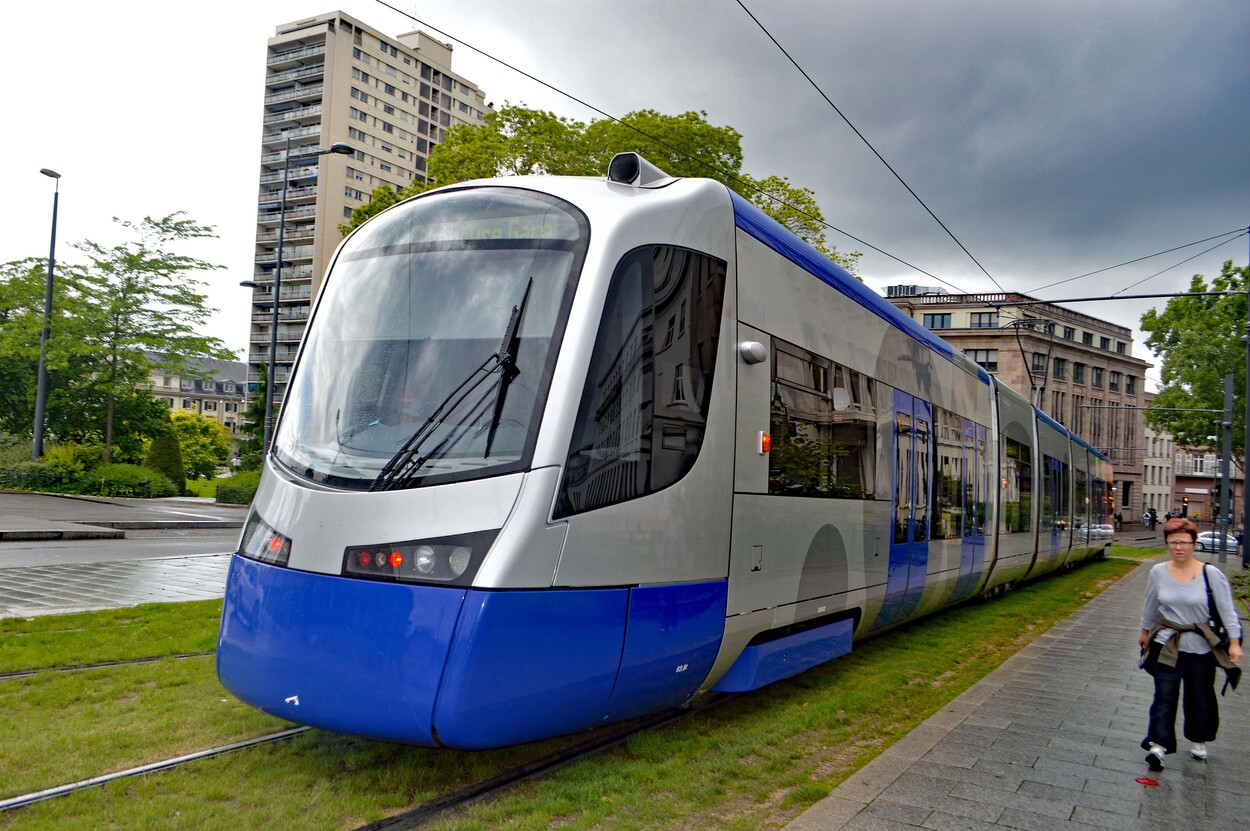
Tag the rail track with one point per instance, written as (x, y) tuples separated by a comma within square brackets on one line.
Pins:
[(30, 673)]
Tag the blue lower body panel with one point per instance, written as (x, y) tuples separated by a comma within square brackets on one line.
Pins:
[(465, 668), (764, 663), (347, 655)]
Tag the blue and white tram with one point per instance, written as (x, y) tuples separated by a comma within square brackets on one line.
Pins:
[(559, 452)]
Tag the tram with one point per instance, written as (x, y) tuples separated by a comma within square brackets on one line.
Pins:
[(558, 452)]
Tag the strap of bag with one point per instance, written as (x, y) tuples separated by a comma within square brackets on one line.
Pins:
[(1213, 613)]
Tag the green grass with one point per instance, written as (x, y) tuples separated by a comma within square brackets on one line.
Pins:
[(202, 487), (152, 630), (754, 762)]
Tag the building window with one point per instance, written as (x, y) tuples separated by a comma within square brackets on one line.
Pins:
[(1121, 347), (1039, 363), (1061, 369), (1130, 384), (1104, 343), (1095, 376), (1069, 333), (1113, 382), (210, 406), (942, 321), (987, 359), (1078, 373), (1087, 338), (983, 320)]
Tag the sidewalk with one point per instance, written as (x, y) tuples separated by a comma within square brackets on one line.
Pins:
[(83, 587), (1050, 741)]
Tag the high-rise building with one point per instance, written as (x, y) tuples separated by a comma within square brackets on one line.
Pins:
[(1076, 368), (331, 79)]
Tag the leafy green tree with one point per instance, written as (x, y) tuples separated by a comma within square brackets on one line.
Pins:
[(251, 449), (125, 301), (1198, 340), (205, 444), (145, 301), (518, 141)]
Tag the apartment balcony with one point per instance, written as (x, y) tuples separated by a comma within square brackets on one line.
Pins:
[(294, 174), (290, 274), (294, 233), (312, 92), (290, 253), (278, 137), (303, 73), (293, 116), (292, 214), (295, 57), (293, 195)]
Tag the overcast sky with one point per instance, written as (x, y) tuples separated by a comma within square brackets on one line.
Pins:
[(1053, 137)]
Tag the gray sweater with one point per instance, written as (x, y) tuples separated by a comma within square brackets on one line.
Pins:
[(1188, 604)]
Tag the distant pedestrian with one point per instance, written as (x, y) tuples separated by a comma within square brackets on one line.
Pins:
[(1179, 647), (1119, 520), (1145, 519)]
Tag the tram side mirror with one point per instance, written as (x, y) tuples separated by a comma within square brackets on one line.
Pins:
[(753, 352), (841, 399)]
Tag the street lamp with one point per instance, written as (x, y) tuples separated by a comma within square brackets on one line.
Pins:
[(340, 148), (41, 389)]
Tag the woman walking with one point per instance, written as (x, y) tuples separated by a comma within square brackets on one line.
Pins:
[(1179, 640)]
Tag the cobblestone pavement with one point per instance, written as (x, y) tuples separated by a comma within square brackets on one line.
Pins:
[(1050, 740)]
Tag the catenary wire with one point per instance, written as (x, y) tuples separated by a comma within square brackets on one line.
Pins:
[(1182, 262), (1238, 232), (677, 150), (865, 140)]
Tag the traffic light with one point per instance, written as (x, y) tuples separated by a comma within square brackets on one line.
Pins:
[(1184, 506)]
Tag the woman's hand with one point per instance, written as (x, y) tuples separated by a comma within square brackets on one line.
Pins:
[(1234, 651), (1141, 639)]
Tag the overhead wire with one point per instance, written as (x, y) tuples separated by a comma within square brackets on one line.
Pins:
[(865, 140), (1237, 232), (726, 174)]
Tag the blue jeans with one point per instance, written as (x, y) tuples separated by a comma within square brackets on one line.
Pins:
[(1196, 674)]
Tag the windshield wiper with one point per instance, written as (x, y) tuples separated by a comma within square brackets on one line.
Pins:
[(507, 360), (405, 463)]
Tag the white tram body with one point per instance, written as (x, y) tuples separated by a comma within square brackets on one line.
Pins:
[(559, 452)]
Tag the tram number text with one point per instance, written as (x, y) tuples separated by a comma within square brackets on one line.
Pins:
[(683, 667)]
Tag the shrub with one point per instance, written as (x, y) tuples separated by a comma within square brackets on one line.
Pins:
[(127, 480), (239, 489), (165, 455), (65, 460)]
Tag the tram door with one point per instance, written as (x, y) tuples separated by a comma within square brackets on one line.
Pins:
[(975, 490), (913, 478)]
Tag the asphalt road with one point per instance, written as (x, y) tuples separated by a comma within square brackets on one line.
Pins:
[(138, 545)]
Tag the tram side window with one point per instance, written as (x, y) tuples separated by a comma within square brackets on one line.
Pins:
[(951, 475), (643, 409), (823, 424), (1017, 496)]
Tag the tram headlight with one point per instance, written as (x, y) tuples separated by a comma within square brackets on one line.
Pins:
[(447, 560), (261, 542), (427, 559)]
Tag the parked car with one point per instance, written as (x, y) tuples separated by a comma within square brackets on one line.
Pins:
[(1210, 541)]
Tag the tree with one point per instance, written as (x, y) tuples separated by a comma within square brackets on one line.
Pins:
[(165, 456), (1198, 340), (127, 300), (205, 443), (518, 141), (146, 302), (251, 449)]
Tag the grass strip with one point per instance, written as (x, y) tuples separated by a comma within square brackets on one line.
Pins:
[(147, 631), (751, 763)]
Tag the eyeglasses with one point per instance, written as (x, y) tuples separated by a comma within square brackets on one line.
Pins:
[(1182, 543)]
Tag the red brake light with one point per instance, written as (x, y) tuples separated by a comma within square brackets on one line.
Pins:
[(397, 559)]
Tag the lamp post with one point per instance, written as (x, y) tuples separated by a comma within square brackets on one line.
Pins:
[(340, 148), (41, 389)]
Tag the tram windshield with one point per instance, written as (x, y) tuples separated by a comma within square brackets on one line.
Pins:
[(431, 349)]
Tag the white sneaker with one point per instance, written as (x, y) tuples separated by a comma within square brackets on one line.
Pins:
[(1154, 757), (1198, 751)]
